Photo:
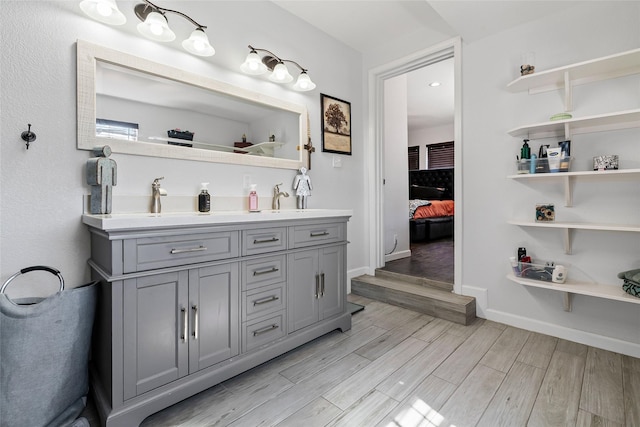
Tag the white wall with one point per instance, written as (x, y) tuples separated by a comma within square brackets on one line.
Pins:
[(43, 187), (426, 136), (490, 199), (396, 188)]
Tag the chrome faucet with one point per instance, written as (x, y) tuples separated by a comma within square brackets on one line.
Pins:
[(275, 204), (156, 192)]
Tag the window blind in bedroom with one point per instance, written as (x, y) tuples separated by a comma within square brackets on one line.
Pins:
[(414, 158), (440, 155)]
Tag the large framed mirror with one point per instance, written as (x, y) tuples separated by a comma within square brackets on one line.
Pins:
[(141, 107)]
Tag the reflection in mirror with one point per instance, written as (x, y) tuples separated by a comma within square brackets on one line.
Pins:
[(146, 108)]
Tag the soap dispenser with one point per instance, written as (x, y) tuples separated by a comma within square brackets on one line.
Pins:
[(204, 198), (525, 151), (253, 199)]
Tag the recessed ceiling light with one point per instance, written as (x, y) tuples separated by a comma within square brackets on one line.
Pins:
[(434, 84)]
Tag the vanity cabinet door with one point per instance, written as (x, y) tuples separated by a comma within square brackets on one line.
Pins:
[(316, 285), (155, 347), (214, 315)]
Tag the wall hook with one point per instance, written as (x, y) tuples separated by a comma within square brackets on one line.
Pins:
[(28, 136)]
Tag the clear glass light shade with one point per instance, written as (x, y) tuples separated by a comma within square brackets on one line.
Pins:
[(155, 27), (105, 11), (280, 74), (304, 83), (253, 64), (198, 44)]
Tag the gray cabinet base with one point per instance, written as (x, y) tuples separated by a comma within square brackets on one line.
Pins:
[(135, 410)]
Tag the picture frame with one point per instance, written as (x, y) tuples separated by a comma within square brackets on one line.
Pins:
[(336, 125)]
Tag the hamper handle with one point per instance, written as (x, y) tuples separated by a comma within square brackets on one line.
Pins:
[(35, 268)]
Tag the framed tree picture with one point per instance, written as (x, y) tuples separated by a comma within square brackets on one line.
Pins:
[(336, 125)]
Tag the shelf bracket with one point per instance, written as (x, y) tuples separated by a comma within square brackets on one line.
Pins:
[(568, 93), (568, 193), (566, 300), (567, 241)]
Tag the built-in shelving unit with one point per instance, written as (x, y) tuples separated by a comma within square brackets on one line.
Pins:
[(565, 78), (569, 288)]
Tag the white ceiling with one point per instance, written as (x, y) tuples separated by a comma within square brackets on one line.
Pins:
[(364, 25)]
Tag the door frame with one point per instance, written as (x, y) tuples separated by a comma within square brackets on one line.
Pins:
[(375, 142)]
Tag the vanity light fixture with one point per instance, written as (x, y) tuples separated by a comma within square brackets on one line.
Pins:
[(256, 65), (154, 25)]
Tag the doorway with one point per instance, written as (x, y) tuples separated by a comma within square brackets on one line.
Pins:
[(377, 78)]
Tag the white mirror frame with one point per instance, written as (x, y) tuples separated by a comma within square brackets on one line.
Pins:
[(88, 54)]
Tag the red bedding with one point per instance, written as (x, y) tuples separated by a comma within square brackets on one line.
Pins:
[(437, 208)]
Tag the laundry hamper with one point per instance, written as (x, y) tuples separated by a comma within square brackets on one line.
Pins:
[(44, 355)]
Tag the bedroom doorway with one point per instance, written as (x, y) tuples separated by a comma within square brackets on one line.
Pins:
[(379, 242)]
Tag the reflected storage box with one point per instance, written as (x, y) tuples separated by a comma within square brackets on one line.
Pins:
[(542, 165), (547, 272)]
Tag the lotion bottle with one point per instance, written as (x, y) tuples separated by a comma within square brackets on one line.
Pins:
[(253, 199), (204, 198)]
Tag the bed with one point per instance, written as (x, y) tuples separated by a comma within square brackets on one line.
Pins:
[(431, 205)]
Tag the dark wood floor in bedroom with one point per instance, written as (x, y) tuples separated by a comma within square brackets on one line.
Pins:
[(433, 260)]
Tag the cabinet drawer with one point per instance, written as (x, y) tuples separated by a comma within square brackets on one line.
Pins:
[(263, 271), (263, 331), (309, 235), (169, 251), (264, 240), (262, 301)]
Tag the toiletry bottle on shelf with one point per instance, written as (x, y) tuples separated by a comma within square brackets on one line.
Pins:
[(525, 151), (204, 199), (253, 199)]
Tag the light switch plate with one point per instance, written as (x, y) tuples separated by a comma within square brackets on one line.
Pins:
[(337, 162)]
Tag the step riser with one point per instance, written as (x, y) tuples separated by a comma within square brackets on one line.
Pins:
[(463, 314)]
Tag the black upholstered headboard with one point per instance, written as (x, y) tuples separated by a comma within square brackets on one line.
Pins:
[(440, 178)]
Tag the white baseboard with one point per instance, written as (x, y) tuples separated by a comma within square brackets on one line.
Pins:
[(480, 294), (397, 255), (582, 337), (355, 273)]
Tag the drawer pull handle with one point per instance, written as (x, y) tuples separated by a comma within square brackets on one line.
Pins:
[(183, 337), (182, 251), (266, 300), (322, 284), (264, 330), (317, 286), (195, 321), (270, 270), (318, 233), (271, 240)]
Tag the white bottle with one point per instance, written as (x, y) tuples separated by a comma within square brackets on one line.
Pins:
[(253, 199)]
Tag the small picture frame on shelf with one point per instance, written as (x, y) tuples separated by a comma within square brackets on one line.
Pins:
[(545, 212)]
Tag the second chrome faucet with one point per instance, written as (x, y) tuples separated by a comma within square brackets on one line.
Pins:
[(156, 192)]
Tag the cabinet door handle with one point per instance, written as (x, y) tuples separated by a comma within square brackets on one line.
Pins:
[(318, 233), (266, 271), (322, 284), (183, 337), (265, 300), (271, 240), (195, 321), (264, 330), (182, 251), (317, 285)]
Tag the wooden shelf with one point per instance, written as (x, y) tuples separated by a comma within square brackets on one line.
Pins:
[(574, 126), (566, 228), (569, 288), (569, 177), (607, 67)]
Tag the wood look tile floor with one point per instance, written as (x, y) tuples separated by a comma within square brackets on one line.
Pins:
[(399, 368)]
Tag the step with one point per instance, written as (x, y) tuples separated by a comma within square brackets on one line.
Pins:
[(423, 299), (423, 281)]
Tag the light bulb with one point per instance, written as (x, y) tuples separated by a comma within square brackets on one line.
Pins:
[(280, 74), (198, 44), (304, 83), (253, 64), (105, 11), (156, 28)]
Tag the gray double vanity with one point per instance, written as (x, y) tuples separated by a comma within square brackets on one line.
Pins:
[(190, 300)]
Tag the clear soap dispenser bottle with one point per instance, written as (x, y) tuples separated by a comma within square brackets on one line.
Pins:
[(204, 199), (253, 199)]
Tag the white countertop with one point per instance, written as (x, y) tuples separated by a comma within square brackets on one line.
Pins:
[(131, 221)]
